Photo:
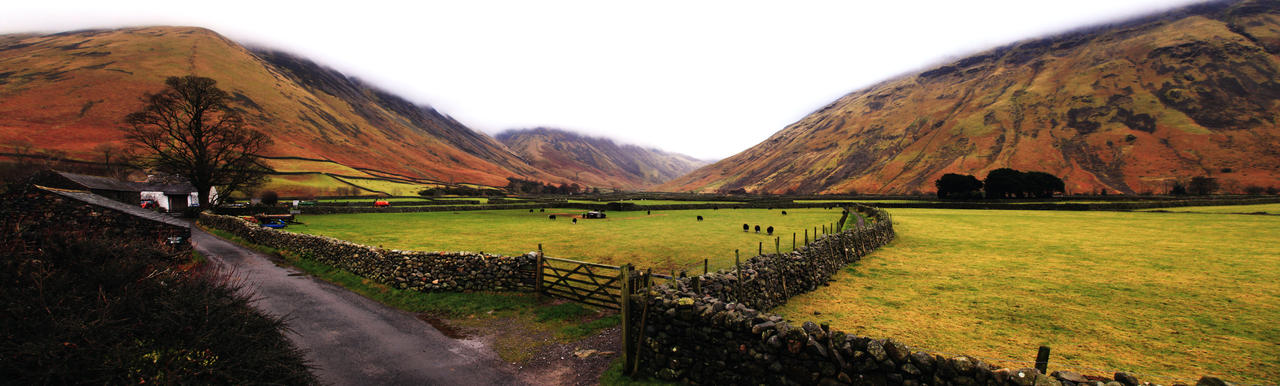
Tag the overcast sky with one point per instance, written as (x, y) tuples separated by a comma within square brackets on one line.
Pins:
[(704, 78)]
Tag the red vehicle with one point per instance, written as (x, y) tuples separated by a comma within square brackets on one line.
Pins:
[(381, 203), (149, 204)]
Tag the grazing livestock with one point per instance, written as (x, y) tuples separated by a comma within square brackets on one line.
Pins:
[(553, 217), (757, 229), (699, 218), (575, 221), (530, 210), (648, 212), (746, 227), (784, 213), (542, 210), (770, 230)]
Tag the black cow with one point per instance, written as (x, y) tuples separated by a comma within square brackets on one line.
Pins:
[(575, 221), (553, 217), (757, 229), (530, 210), (770, 230), (784, 213), (699, 218), (746, 227), (648, 212), (542, 210)]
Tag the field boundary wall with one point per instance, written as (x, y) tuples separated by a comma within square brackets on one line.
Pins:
[(412, 270), (713, 329)]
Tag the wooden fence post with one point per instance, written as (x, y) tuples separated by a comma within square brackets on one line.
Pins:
[(537, 284), (793, 241), (1042, 360), (628, 344), (760, 246), (704, 266), (777, 245), (806, 236)]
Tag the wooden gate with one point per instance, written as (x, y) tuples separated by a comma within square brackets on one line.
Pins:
[(588, 283)]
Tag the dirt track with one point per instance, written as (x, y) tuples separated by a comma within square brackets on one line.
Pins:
[(353, 340)]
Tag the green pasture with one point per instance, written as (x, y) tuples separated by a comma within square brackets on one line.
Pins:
[(869, 202), (1160, 294), (663, 240), (1222, 209)]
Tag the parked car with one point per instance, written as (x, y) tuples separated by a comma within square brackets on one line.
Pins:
[(150, 204), (381, 203), (274, 223)]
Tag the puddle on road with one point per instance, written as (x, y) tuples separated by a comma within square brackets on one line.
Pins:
[(442, 326)]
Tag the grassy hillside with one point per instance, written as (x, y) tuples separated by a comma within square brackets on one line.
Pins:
[(69, 92), (597, 162), (1125, 108)]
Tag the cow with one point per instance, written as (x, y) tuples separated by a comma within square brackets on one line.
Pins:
[(784, 213), (699, 218), (757, 229), (553, 217), (746, 227), (575, 221), (770, 230)]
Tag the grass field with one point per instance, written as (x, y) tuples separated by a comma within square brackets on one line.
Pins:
[(664, 240), (1264, 208), (1159, 294)]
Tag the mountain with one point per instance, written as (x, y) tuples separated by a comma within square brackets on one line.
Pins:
[(1127, 108), (70, 92), (597, 162)]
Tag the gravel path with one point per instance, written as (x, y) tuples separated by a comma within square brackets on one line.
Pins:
[(350, 339)]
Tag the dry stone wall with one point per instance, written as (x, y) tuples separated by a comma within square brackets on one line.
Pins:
[(414, 270), (711, 329)]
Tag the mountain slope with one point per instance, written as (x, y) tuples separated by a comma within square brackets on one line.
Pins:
[(597, 162), (1127, 108), (71, 91)]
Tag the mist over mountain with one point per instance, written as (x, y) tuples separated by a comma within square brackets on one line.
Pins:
[(1127, 107), (597, 162)]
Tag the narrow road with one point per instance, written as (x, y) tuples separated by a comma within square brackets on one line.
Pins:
[(350, 339)]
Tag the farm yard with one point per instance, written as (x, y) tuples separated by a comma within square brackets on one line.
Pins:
[(1157, 294), (663, 240)]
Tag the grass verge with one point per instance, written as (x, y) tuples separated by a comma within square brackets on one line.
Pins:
[(537, 317)]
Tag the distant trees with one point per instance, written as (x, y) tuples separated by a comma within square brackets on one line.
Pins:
[(953, 185), (1202, 186), (517, 185), (1000, 183)]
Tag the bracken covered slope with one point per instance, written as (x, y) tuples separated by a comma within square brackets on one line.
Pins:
[(1123, 108), (70, 92), (597, 162)]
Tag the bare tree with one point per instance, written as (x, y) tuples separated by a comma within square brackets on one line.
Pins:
[(189, 130)]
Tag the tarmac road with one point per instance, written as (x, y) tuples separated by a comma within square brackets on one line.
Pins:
[(350, 339)]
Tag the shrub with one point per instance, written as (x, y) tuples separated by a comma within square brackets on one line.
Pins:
[(106, 313), (269, 197)]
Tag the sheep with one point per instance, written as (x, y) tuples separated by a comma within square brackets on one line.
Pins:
[(699, 218), (770, 230), (553, 217), (757, 229)]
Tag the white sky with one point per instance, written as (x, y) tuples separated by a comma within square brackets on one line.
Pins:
[(704, 78)]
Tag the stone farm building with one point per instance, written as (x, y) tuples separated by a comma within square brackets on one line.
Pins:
[(170, 197), (35, 209)]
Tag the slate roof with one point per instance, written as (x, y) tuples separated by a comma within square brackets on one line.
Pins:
[(93, 199), (100, 183), (106, 183)]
